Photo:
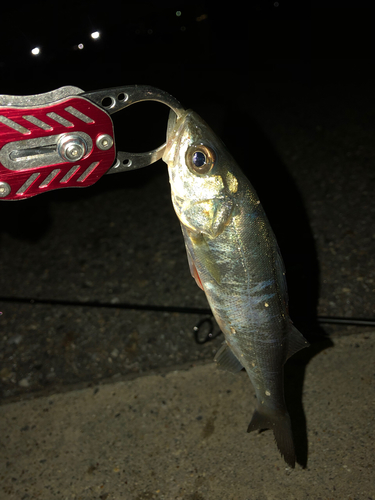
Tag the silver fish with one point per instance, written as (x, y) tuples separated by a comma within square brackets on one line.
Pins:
[(234, 257)]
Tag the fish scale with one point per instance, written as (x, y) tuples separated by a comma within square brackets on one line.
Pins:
[(234, 257)]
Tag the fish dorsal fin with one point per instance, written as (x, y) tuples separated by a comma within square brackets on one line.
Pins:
[(296, 341), (226, 360)]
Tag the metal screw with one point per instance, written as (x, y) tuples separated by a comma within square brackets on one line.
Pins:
[(5, 189), (74, 151), (104, 142), (71, 147)]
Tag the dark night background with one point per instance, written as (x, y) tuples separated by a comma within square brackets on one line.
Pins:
[(288, 87)]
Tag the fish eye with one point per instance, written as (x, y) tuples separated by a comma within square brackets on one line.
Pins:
[(200, 159)]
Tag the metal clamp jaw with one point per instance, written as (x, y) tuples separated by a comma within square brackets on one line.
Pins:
[(65, 138)]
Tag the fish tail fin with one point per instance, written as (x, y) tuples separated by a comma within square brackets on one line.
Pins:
[(279, 422)]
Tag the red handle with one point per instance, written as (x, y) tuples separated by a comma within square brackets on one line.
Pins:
[(29, 137)]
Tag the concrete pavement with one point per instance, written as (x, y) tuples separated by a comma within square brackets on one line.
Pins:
[(182, 435)]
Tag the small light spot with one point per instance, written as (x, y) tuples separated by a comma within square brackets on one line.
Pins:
[(80, 46), (268, 393), (95, 35), (266, 304), (24, 382), (201, 18), (258, 202), (178, 13), (232, 330), (35, 51)]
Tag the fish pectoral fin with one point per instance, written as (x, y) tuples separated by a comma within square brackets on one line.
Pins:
[(279, 422), (226, 360), (197, 244), (296, 341), (222, 218)]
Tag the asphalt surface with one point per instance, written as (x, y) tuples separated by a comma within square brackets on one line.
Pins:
[(309, 151)]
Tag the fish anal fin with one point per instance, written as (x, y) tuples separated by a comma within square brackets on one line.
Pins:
[(226, 360), (279, 422), (296, 341)]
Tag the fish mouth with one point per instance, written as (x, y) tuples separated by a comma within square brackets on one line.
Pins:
[(175, 128), (172, 119)]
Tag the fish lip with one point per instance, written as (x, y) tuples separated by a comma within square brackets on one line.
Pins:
[(167, 150), (173, 142)]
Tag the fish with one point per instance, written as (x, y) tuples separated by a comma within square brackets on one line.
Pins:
[(234, 258)]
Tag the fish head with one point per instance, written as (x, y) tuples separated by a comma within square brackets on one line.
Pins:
[(202, 175)]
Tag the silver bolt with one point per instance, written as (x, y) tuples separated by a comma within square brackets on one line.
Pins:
[(71, 147), (104, 142), (5, 189), (74, 151)]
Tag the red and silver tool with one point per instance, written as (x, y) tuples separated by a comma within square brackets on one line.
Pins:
[(65, 138)]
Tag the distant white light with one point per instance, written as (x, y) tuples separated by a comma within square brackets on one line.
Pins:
[(80, 46), (35, 51), (178, 13), (95, 35)]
